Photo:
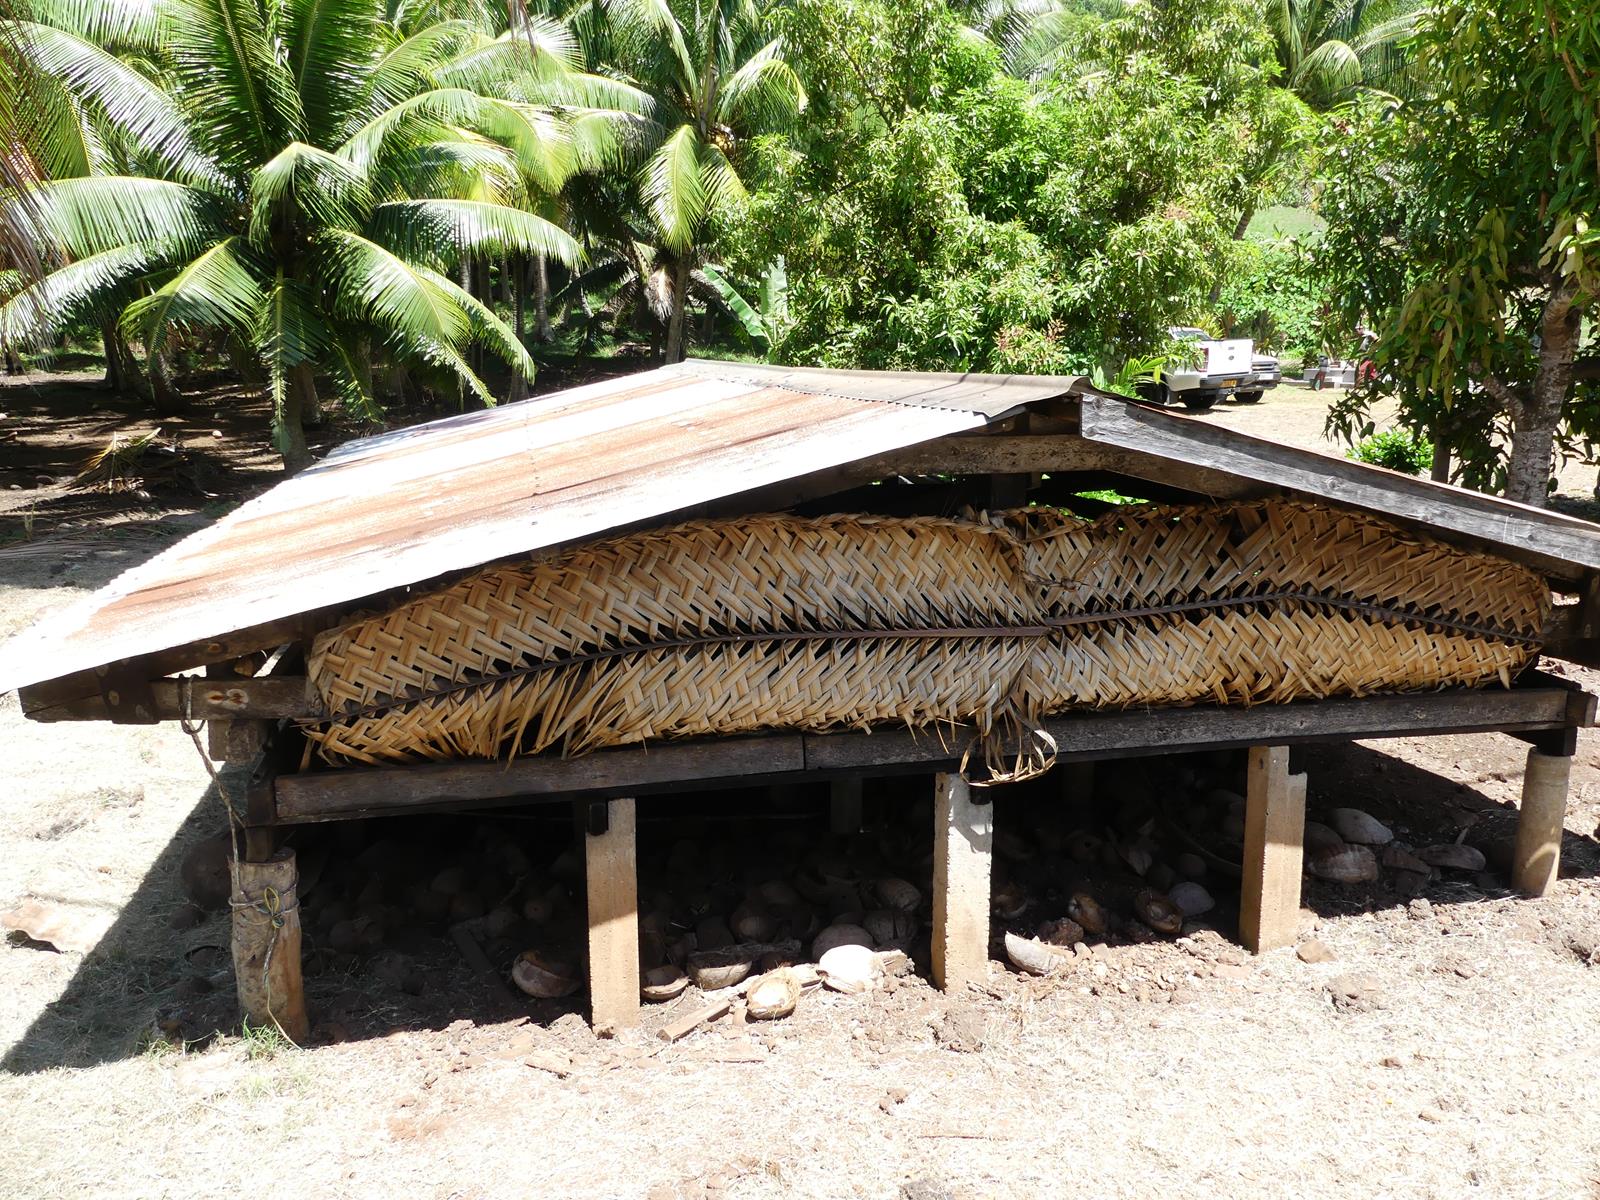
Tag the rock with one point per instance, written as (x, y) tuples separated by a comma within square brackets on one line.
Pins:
[(544, 978), (1314, 951), (1033, 957), (1360, 828), (1354, 993), (839, 935), (849, 968), (1350, 864), (204, 872), (1191, 899), (962, 1030), (773, 995), (1449, 856), (1319, 837), (1158, 912), (1190, 866)]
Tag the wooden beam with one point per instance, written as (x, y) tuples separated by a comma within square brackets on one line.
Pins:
[(1536, 859), (612, 880), (265, 903), (353, 792), (269, 698), (963, 844), (347, 792), (1274, 851), (1558, 546), (269, 636)]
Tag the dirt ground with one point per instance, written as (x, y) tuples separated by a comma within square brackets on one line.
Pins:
[(1446, 1050)]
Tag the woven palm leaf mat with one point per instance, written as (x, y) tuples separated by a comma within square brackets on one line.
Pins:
[(841, 622)]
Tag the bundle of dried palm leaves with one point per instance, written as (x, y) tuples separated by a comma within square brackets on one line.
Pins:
[(778, 622)]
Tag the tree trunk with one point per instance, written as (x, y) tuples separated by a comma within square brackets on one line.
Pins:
[(519, 295), (541, 299), (116, 364), (680, 289), (1534, 420), (300, 397), (1440, 472), (165, 398)]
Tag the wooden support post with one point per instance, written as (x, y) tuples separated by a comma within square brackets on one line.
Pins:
[(613, 888), (844, 805), (963, 842), (1537, 857), (266, 945), (1274, 840)]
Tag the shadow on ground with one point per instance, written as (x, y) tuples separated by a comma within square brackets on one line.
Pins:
[(382, 896)]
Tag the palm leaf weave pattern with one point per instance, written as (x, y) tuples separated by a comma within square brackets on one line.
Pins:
[(852, 622)]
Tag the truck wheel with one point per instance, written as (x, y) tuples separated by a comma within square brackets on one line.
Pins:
[(1200, 403), (1250, 397)]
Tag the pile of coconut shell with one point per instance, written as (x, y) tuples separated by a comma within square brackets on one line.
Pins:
[(747, 896)]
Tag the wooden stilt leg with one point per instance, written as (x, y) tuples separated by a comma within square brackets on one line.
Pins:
[(612, 879), (266, 945), (963, 842), (1274, 840), (844, 805), (1537, 857)]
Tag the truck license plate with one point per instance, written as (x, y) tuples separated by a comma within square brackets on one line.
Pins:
[(1230, 383)]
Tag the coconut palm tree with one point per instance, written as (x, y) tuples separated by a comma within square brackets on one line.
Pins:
[(309, 173), (716, 77), (1329, 48)]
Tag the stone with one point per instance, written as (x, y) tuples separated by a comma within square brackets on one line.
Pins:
[(1354, 993), (1314, 951), (1360, 828), (1320, 837)]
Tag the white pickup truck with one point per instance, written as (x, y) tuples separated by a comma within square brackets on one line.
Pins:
[(1218, 368)]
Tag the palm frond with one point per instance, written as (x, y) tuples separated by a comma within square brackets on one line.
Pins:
[(80, 217), (674, 189), (369, 283), (408, 65), (131, 26), (240, 96), (35, 315), (765, 88), (647, 23), (719, 287), (289, 331), (219, 289), (133, 104), (441, 231), (326, 189), (329, 45)]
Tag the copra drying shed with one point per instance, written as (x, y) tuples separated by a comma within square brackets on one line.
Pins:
[(340, 619)]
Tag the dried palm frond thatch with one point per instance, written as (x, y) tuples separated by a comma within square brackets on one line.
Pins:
[(778, 622)]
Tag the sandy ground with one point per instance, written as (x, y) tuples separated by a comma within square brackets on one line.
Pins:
[(1463, 1064)]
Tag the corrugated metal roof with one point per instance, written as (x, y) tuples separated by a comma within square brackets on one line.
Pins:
[(406, 507)]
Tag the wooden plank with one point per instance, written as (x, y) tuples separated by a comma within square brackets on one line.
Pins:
[(1274, 850), (268, 698), (333, 794), (1536, 859), (963, 845), (1557, 545), (1161, 731), (612, 878), (351, 792)]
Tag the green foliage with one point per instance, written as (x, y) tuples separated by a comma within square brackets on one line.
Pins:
[(1469, 242), (1397, 449), (1135, 371), (1275, 295)]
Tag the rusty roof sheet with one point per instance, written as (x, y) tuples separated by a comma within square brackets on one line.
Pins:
[(405, 507)]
